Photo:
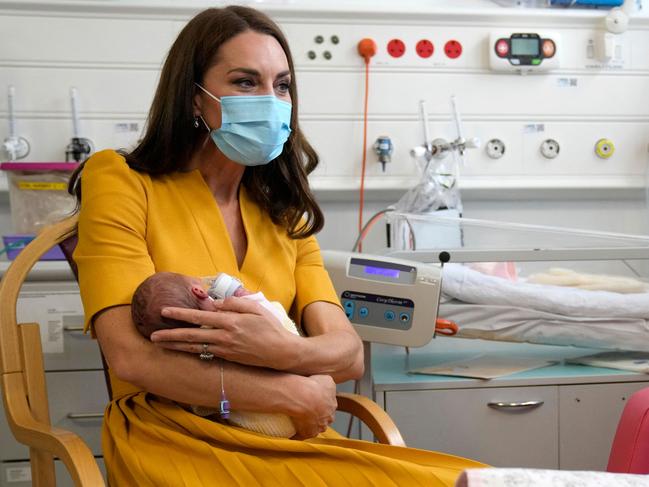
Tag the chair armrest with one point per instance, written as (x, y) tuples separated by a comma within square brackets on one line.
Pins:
[(376, 419), (66, 445)]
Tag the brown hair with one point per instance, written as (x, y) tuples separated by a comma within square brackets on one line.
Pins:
[(158, 291), (281, 187)]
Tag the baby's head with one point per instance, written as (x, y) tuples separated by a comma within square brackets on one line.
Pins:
[(166, 289), (170, 289)]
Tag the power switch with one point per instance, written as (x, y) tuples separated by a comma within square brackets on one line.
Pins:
[(502, 48), (548, 48)]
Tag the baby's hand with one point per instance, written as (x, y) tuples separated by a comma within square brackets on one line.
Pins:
[(242, 291)]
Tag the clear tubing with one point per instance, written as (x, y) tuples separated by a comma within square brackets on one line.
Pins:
[(75, 111), (646, 187), (424, 121), (11, 94), (456, 118)]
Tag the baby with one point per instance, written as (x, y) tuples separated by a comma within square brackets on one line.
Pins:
[(167, 289)]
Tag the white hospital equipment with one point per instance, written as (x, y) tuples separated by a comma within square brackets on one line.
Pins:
[(607, 47), (388, 300), (79, 148), (508, 307), (523, 51), (395, 298), (14, 146)]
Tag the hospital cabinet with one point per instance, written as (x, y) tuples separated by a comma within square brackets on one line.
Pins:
[(569, 422), (73, 369)]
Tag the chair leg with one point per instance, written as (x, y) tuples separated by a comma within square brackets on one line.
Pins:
[(42, 462), (42, 466)]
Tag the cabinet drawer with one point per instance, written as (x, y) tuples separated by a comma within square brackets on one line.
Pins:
[(588, 421), (462, 422), (18, 474), (72, 397)]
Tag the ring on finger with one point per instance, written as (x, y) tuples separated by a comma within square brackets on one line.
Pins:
[(206, 355)]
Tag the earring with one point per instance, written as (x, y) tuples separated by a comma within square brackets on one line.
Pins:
[(196, 124)]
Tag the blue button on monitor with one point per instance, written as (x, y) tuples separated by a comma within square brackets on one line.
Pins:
[(363, 312), (349, 309), (389, 315)]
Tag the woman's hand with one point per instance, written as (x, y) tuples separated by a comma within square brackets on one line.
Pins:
[(239, 330), (319, 407)]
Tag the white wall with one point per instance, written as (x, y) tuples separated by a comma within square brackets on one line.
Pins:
[(112, 52)]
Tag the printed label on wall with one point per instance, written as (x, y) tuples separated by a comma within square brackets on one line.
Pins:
[(567, 82), (50, 311), (533, 128), (18, 474)]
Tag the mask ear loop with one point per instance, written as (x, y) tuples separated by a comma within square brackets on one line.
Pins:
[(211, 96), (205, 123), (208, 93)]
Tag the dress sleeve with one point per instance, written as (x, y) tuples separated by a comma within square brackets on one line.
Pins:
[(111, 255), (312, 282)]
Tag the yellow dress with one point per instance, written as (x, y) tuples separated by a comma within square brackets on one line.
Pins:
[(132, 225)]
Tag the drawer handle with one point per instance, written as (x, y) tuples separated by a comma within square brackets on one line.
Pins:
[(73, 328), (514, 405), (85, 415)]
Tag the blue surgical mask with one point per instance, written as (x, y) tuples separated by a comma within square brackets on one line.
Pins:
[(253, 128)]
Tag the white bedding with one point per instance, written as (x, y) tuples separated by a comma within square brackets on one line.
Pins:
[(470, 286), (512, 324), (494, 308)]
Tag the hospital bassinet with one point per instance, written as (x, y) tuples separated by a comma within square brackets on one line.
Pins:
[(537, 284)]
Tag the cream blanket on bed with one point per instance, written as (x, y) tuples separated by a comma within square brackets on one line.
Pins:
[(557, 276)]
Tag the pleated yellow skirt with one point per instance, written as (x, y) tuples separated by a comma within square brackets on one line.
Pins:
[(152, 442)]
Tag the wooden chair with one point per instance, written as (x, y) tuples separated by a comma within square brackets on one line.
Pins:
[(23, 380)]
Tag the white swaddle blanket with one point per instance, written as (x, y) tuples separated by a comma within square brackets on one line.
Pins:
[(272, 424), (470, 286)]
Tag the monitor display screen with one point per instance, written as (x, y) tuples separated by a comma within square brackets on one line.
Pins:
[(525, 47), (382, 271)]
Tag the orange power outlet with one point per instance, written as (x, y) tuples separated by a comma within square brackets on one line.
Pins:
[(425, 48), (396, 48), (453, 49)]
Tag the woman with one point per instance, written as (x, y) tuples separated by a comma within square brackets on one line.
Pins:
[(219, 184)]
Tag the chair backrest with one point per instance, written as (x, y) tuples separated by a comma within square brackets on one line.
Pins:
[(630, 450), (23, 377)]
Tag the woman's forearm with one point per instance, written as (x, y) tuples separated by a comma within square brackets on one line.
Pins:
[(332, 347), (337, 353), (185, 378), (243, 332)]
